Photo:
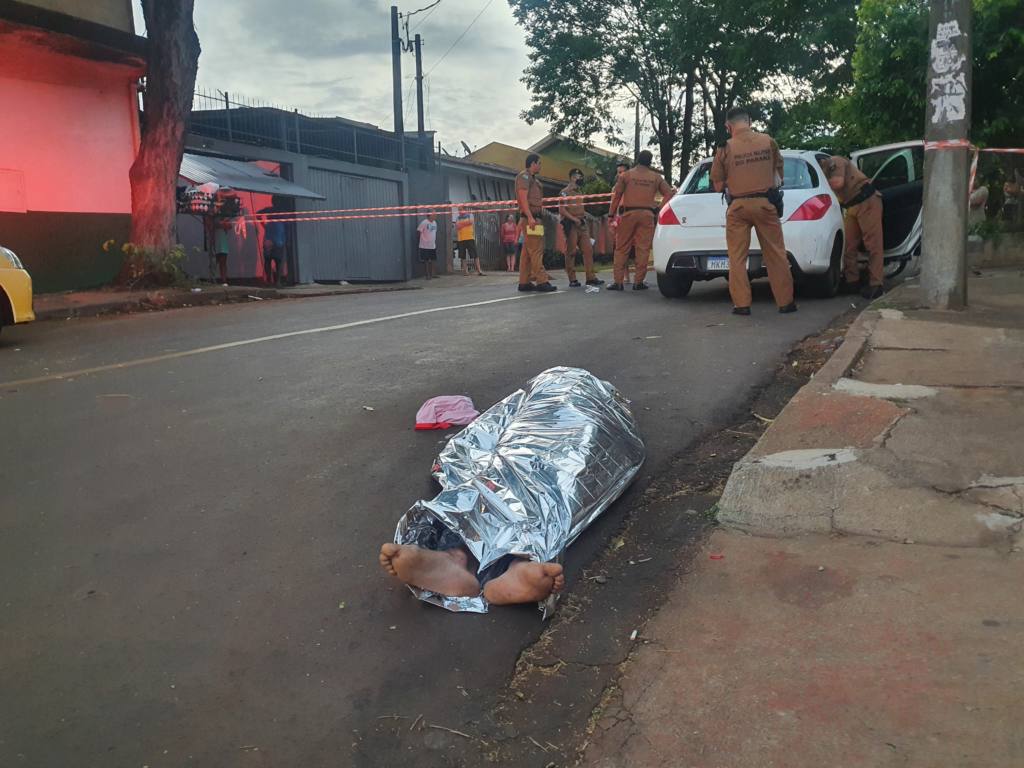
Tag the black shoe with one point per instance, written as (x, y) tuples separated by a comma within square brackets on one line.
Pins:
[(848, 289), (615, 287), (641, 286), (872, 292), (788, 309), (526, 287), (545, 288), (741, 310), (595, 281), (574, 283)]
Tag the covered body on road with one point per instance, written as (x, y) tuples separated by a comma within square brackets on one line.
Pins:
[(529, 475)]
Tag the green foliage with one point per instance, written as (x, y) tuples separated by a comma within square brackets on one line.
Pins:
[(596, 186), (887, 102), (989, 229), (147, 267)]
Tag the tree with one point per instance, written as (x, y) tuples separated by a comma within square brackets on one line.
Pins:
[(887, 100), (589, 56), (170, 83), (686, 61)]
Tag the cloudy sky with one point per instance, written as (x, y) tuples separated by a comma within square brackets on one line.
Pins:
[(333, 57)]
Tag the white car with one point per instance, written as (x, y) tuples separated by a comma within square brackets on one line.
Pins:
[(689, 243)]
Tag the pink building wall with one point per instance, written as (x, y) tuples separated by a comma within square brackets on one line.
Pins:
[(69, 127)]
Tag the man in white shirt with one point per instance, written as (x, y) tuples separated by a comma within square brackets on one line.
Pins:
[(428, 244)]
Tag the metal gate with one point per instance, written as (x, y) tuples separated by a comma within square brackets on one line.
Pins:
[(365, 249)]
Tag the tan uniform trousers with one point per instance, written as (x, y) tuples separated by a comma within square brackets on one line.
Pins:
[(863, 224), (758, 213), (635, 230), (531, 261), (578, 239)]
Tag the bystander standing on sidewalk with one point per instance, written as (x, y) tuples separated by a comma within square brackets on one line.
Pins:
[(428, 245), (509, 234), (465, 226)]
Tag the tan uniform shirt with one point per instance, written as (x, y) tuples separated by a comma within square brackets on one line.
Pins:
[(853, 180), (573, 207), (748, 164), (638, 186), (534, 192)]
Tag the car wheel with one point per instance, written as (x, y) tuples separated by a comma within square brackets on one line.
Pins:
[(672, 287), (826, 285)]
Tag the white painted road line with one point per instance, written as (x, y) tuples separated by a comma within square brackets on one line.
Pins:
[(246, 342)]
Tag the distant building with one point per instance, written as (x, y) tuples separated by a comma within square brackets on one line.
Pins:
[(556, 147), (70, 128)]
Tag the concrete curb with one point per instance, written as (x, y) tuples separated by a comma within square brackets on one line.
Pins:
[(780, 492), (156, 301)]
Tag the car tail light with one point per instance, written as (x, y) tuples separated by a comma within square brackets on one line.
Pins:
[(813, 209), (668, 217)]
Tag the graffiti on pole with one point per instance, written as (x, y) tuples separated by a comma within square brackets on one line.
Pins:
[(948, 83)]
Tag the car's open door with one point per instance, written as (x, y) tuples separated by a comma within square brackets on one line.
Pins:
[(897, 171)]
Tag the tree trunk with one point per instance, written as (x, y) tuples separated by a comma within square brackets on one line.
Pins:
[(170, 83), (686, 156)]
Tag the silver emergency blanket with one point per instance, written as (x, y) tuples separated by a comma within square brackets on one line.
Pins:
[(530, 474)]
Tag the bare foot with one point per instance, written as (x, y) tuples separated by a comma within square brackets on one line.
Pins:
[(525, 582), (445, 573)]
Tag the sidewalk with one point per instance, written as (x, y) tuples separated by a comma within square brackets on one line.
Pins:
[(861, 604), (59, 306)]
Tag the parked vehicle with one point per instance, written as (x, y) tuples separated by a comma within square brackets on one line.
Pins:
[(15, 290), (689, 243)]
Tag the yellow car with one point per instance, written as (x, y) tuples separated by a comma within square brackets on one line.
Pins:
[(15, 290)]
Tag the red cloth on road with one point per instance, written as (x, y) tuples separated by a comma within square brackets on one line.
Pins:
[(446, 411)]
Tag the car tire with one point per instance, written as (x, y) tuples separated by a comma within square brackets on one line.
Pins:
[(826, 285), (672, 287)]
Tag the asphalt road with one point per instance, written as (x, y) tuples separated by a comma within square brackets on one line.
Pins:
[(189, 532)]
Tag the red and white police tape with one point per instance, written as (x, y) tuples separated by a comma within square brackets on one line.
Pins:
[(965, 144), (487, 206)]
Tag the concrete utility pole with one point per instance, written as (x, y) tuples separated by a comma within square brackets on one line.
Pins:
[(419, 87), (946, 171), (396, 72)]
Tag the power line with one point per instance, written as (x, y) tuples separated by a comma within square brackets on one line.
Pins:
[(459, 38), (432, 9)]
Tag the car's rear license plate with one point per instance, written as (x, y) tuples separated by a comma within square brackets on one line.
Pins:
[(718, 263)]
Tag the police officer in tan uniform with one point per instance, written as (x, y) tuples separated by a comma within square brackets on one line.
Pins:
[(862, 223), (749, 170), (636, 190), (577, 233), (530, 195)]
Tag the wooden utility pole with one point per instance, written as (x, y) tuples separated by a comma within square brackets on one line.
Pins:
[(396, 72), (636, 132), (419, 87), (947, 155)]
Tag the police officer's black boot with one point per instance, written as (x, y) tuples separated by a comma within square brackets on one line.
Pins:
[(641, 286), (595, 281), (788, 309), (872, 292), (574, 283), (545, 288), (745, 311), (615, 287), (524, 287)]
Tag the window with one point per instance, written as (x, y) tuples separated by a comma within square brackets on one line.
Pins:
[(797, 174), (700, 184), (893, 173)]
